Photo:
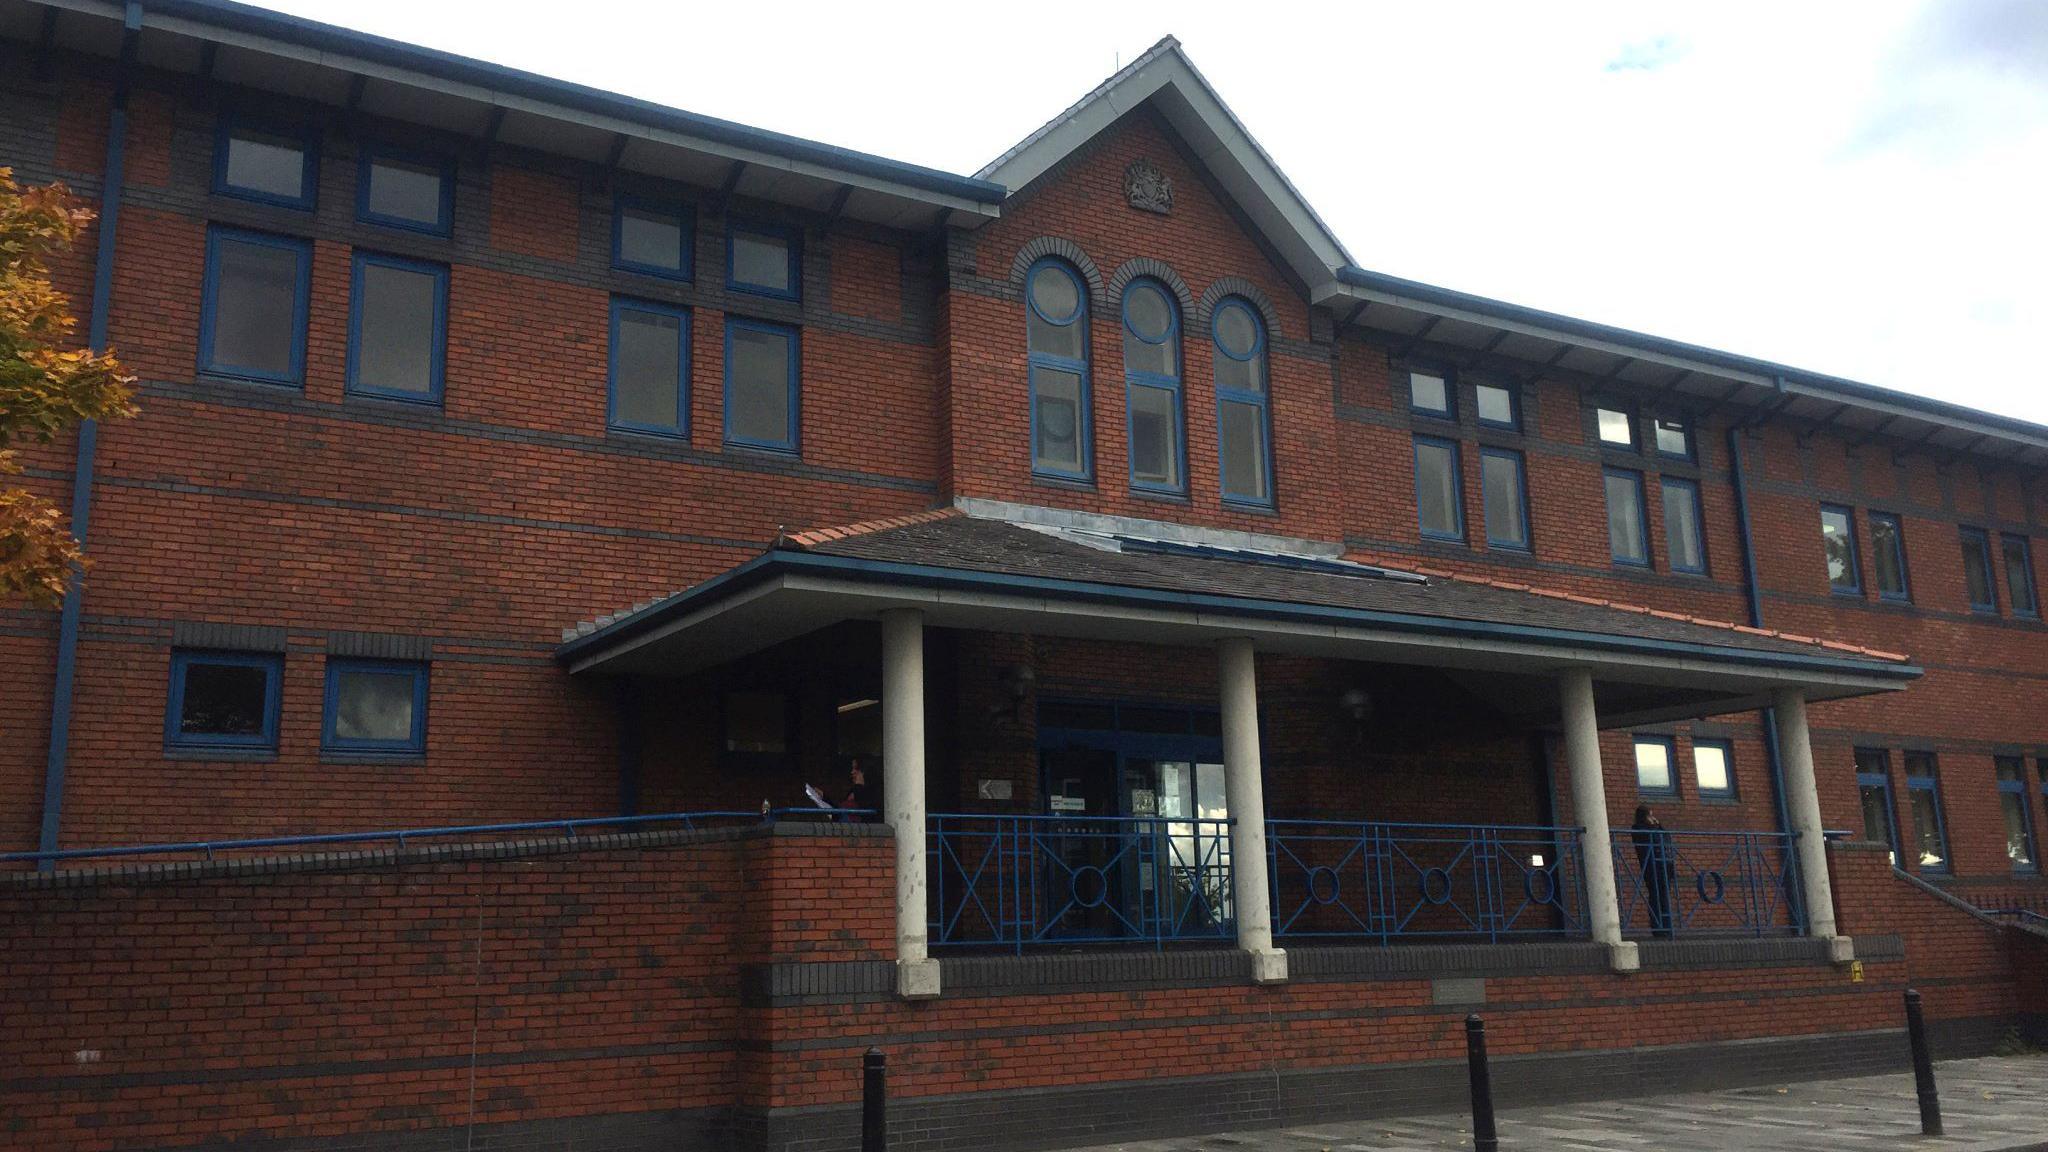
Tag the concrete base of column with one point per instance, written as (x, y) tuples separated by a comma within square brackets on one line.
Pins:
[(1624, 957), (1269, 966), (1841, 949), (917, 979)]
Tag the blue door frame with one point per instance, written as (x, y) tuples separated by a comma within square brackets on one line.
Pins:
[(1127, 746)]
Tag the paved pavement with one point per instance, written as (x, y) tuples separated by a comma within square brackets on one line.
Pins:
[(1995, 1104)]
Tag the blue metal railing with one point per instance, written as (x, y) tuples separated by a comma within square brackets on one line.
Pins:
[(1386, 881), (1678, 883), (399, 837), (1012, 881)]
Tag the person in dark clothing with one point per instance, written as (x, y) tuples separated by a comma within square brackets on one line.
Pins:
[(1653, 858), (860, 794)]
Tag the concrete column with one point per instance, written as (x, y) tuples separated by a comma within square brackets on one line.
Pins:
[(917, 974), (1589, 804), (1802, 799), (1244, 785)]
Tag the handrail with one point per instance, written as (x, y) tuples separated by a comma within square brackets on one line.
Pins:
[(399, 836), (1693, 882)]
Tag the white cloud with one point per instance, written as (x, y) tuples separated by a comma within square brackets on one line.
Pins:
[(1850, 188)]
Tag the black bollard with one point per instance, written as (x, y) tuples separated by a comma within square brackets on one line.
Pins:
[(1483, 1137), (874, 1101), (1923, 1068)]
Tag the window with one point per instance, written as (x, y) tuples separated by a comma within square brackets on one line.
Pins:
[(397, 328), (375, 706), (652, 237), (1497, 407), (1672, 436), (1838, 544), (2019, 575), (1616, 427), (1874, 789), (1713, 769), (1923, 797), (1152, 386), (1056, 334), (1504, 492), (406, 190), (1654, 758), (1439, 500), (650, 368), (1243, 427), (1977, 570), (223, 700), (1888, 553), (1682, 540), (764, 260), (2019, 822), (757, 722), (274, 166), (761, 384), (1430, 394), (252, 321), (1627, 531)]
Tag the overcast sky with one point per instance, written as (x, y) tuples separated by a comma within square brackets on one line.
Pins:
[(1850, 188)]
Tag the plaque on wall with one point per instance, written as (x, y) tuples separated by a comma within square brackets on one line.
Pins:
[(1147, 188)]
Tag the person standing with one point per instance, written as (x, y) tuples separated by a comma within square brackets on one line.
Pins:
[(1653, 858)]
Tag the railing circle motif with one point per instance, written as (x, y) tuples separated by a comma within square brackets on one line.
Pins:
[(1100, 892), (1540, 878), (1436, 886), (1719, 890), (1323, 885)]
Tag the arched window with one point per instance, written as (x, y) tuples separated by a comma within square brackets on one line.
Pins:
[(1243, 427), (1056, 321), (1152, 386)]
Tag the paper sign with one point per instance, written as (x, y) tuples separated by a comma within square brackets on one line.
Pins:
[(1069, 804)]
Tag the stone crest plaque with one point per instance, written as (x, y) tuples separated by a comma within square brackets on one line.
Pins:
[(1147, 188)]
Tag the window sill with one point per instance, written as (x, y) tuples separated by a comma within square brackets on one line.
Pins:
[(1250, 507), (216, 376), (1064, 483), (773, 450), (413, 402), (222, 754), (1160, 495), (394, 758)]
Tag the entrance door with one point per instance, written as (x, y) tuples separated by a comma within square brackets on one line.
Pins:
[(1136, 809)]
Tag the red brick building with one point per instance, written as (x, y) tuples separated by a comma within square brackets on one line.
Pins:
[(1254, 661)]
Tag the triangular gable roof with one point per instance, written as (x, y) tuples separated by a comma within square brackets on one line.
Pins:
[(1166, 77)]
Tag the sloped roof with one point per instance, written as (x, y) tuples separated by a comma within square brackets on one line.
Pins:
[(1165, 77)]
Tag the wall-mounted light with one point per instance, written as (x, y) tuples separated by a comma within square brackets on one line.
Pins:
[(857, 705), (1016, 682), (1356, 704)]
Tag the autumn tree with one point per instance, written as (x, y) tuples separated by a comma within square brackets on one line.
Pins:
[(46, 383)]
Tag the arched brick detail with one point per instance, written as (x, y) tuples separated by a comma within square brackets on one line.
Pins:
[(1145, 266), (1229, 286), (1061, 248)]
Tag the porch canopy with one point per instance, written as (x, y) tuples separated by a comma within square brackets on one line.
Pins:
[(1542, 655), (1503, 641)]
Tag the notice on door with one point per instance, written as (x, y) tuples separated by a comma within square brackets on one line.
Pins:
[(1069, 803)]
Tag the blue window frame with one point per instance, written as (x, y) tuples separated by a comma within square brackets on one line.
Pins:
[(648, 382), (653, 237), (223, 700), (1056, 342), (2019, 574), (406, 188), (1684, 544), (375, 706), (1930, 824), (1874, 793), (764, 259), (1838, 548), (1504, 497), (1615, 427), (397, 328), (1656, 765), (253, 306), (1244, 421), (763, 385), (1888, 557), (1152, 388), (1628, 522), (1977, 574), (1713, 769), (1432, 392), (2011, 772), (1439, 489), (271, 164), (1497, 406), (1672, 437)]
